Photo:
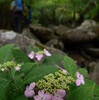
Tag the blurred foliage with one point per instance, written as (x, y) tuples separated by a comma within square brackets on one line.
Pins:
[(55, 11)]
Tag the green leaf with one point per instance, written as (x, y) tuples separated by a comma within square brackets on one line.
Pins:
[(83, 71), (20, 56), (27, 67), (4, 84), (96, 98), (21, 98), (35, 49), (54, 59), (70, 65), (38, 72), (82, 93), (96, 91), (6, 53)]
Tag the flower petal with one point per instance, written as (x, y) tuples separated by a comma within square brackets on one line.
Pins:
[(82, 81), (17, 68), (81, 77), (78, 82), (39, 56), (28, 93), (47, 53), (61, 93), (37, 97), (31, 55), (47, 96), (32, 85), (41, 93), (56, 98), (78, 74)]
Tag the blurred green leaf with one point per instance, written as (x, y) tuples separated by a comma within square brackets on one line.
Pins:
[(6, 53), (38, 72), (70, 66)]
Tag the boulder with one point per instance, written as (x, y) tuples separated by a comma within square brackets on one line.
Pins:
[(28, 33), (23, 42), (55, 43), (75, 35), (87, 25), (94, 71), (94, 52), (43, 33)]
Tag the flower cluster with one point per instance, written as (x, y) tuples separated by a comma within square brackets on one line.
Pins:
[(58, 95), (80, 79), (29, 92), (52, 82), (7, 65), (38, 55)]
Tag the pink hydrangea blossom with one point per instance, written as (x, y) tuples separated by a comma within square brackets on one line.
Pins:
[(29, 92), (31, 55), (39, 56), (47, 53), (42, 96), (17, 68), (65, 71), (80, 79), (59, 95)]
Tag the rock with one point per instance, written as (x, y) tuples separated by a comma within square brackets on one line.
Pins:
[(28, 33), (75, 35), (23, 42), (55, 43), (94, 71), (4, 35), (96, 30), (93, 52), (87, 25), (43, 33)]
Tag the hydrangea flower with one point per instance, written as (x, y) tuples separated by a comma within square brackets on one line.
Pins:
[(65, 71), (47, 53), (18, 67), (80, 79), (39, 56), (42, 96), (29, 92), (59, 95), (31, 55)]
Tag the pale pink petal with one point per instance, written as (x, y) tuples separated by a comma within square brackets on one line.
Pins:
[(78, 82), (32, 85), (82, 81), (64, 71), (29, 93), (39, 56), (27, 87), (56, 98), (31, 55), (78, 74), (41, 93), (17, 68), (81, 77), (47, 96), (37, 97), (61, 93), (47, 53)]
